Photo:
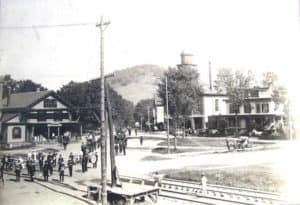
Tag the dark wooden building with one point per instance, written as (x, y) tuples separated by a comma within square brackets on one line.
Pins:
[(24, 116)]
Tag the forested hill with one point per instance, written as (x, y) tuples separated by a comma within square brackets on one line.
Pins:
[(138, 82)]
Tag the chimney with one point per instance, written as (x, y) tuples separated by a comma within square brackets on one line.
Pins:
[(210, 83), (8, 96)]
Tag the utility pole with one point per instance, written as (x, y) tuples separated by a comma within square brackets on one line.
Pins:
[(102, 25), (141, 124), (167, 117), (148, 109), (210, 80), (113, 166)]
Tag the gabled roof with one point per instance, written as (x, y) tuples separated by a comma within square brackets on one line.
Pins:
[(23, 100), (7, 116)]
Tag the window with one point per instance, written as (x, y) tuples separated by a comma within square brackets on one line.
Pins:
[(216, 104), (247, 108), (50, 103), (57, 116), (234, 108), (231, 110), (231, 122), (16, 133), (254, 93), (41, 116), (265, 107), (258, 108)]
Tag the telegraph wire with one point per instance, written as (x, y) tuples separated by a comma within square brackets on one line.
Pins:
[(46, 26)]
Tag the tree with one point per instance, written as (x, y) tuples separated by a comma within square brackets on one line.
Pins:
[(271, 80), (18, 86), (234, 84), (87, 95), (141, 111), (184, 93)]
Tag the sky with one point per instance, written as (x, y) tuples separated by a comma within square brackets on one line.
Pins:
[(260, 35)]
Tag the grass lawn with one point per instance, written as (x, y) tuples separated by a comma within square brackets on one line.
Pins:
[(154, 158), (196, 142), (164, 150), (259, 177)]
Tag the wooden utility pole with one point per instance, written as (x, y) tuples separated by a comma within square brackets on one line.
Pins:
[(113, 167), (167, 117), (102, 25), (210, 79), (141, 124), (148, 110)]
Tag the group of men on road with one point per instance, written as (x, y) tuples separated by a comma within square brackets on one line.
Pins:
[(46, 164), (88, 154), (120, 143)]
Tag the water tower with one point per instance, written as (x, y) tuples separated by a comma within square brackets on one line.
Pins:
[(186, 60)]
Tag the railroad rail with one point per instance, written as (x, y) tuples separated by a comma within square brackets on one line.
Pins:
[(189, 192)]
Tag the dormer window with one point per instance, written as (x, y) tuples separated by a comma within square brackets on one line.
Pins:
[(50, 103)]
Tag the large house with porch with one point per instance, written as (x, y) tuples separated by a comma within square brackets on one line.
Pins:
[(29, 114), (258, 112)]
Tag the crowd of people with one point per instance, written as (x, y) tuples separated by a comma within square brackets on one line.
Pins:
[(46, 164)]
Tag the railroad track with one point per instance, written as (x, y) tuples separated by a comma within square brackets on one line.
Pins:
[(188, 192)]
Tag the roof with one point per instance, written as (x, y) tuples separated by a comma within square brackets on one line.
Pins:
[(25, 99), (7, 116), (214, 94)]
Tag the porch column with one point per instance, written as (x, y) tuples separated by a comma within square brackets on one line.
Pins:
[(58, 131), (48, 137), (32, 132), (193, 123), (80, 127), (204, 123)]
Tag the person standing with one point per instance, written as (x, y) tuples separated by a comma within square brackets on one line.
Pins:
[(31, 169), (83, 148), (129, 130), (62, 173), (46, 171), (71, 156), (2, 171), (54, 156), (41, 160), (141, 140), (86, 160), (70, 166), (204, 184), (136, 126), (18, 169), (49, 162), (116, 148), (125, 144), (65, 142), (60, 161)]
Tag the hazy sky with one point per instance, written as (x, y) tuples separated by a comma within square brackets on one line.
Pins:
[(250, 34)]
